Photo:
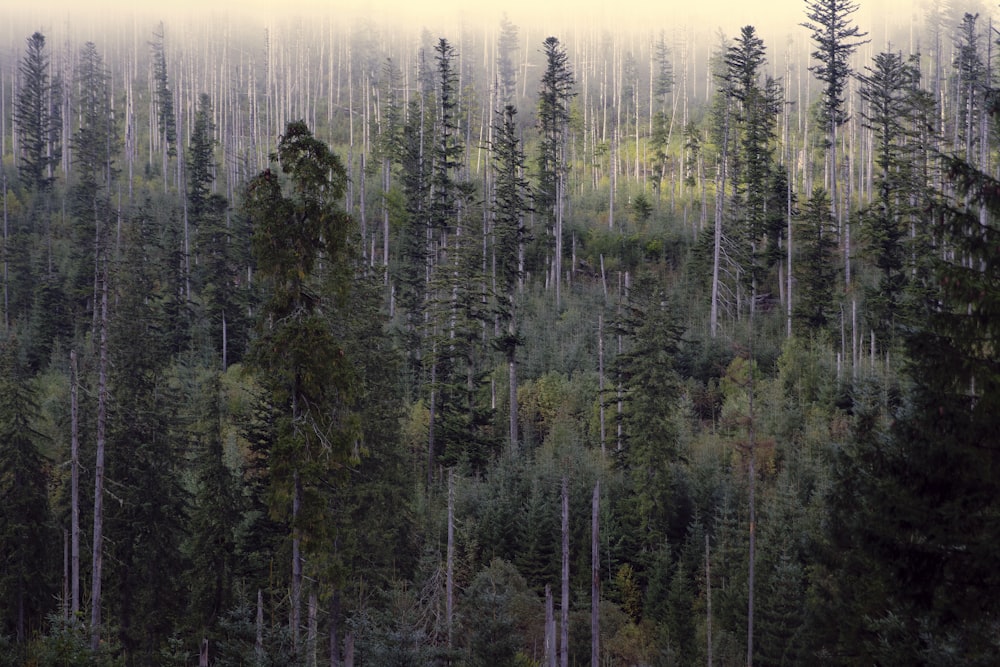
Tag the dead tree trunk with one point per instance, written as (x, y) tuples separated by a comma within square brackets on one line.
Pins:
[(564, 611), (74, 489), (595, 578), (102, 411)]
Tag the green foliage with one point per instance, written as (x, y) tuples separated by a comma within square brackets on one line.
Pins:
[(25, 525), (67, 644), (500, 612), (815, 309)]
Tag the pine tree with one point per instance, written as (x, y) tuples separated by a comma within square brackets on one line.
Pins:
[(26, 533), (554, 96), (888, 87), (915, 497), (510, 204), (835, 40), (34, 116), (816, 270), (507, 45), (651, 453), (296, 355)]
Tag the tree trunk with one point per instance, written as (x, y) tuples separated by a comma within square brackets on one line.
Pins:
[(258, 647), (550, 629), (512, 373), (102, 411), (708, 603), (313, 631), (74, 489), (564, 611), (595, 578), (600, 372), (335, 629), (450, 564), (295, 613)]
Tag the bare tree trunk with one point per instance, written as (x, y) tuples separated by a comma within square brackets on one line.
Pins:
[(550, 629), (720, 198), (74, 488), (512, 377), (595, 578), (335, 629), (708, 602), (564, 611), (6, 286), (312, 632), (102, 412), (600, 373), (349, 650), (450, 564), (295, 613), (752, 474), (258, 647)]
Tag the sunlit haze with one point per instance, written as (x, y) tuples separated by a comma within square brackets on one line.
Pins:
[(726, 15)]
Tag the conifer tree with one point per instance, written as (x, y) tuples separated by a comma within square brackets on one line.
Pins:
[(888, 87), (25, 530), (36, 117), (509, 208), (816, 268), (554, 96), (835, 39), (298, 227)]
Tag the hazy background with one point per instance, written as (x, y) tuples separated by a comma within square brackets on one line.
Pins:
[(727, 15)]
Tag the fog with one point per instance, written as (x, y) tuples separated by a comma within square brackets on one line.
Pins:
[(776, 17)]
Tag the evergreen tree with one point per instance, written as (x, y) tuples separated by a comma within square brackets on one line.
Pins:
[(37, 122), (296, 355), (835, 40), (915, 499), (758, 104), (888, 87), (816, 270), (510, 203), (163, 97), (26, 534), (507, 45), (554, 96), (95, 148), (145, 518), (651, 453), (215, 514)]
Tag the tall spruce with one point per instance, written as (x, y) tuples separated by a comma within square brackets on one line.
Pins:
[(300, 234), (888, 87), (510, 204), (26, 535), (36, 117), (835, 40), (554, 97)]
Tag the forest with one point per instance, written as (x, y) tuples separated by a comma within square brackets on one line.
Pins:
[(327, 341)]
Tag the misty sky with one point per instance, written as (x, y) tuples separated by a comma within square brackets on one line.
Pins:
[(728, 15)]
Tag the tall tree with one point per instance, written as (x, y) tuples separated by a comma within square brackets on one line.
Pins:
[(758, 103), (651, 452), (554, 96), (914, 499), (507, 45), (35, 116), (163, 98), (298, 228), (95, 148), (509, 207), (816, 269), (835, 39), (888, 87), (25, 529)]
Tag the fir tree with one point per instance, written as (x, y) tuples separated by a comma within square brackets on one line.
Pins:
[(25, 525)]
